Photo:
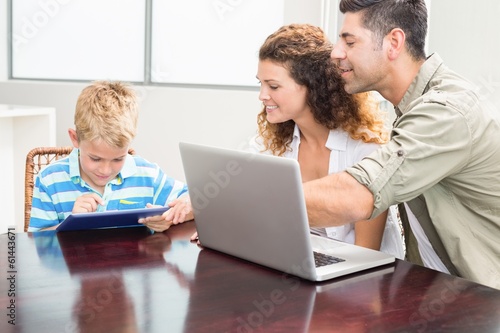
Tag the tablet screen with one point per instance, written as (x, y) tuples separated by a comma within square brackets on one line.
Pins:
[(109, 219)]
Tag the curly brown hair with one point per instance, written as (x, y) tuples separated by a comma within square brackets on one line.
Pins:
[(304, 50)]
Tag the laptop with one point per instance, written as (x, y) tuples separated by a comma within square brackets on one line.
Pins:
[(252, 206)]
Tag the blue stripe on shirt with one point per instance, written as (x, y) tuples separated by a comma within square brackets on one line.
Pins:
[(59, 184)]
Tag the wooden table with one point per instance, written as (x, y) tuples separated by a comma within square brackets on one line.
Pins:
[(126, 280)]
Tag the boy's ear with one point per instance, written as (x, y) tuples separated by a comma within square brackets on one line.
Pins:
[(73, 137)]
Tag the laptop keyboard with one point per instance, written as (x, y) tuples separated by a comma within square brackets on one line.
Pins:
[(321, 259)]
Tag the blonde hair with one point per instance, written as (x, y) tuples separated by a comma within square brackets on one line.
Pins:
[(107, 111)]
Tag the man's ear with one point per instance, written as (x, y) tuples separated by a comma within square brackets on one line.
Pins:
[(396, 39), (73, 137)]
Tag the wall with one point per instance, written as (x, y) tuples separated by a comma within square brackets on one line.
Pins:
[(3, 42), (215, 116), (168, 115), (466, 34)]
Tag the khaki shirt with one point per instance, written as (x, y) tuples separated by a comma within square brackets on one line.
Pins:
[(444, 158)]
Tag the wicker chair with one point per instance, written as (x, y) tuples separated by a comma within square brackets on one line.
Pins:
[(36, 159)]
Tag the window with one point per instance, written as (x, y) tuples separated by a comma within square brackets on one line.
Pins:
[(216, 43), (151, 41), (78, 40)]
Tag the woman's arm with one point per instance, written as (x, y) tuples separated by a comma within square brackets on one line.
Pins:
[(369, 233)]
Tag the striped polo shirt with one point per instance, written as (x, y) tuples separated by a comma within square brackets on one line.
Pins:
[(59, 184)]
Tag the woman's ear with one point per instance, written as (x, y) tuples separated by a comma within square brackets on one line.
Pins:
[(73, 137)]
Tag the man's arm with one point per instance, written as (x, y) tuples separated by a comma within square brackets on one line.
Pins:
[(337, 199)]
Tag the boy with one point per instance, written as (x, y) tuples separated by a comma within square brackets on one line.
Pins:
[(99, 174)]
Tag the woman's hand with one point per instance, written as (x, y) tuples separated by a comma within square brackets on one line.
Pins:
[(180, 211)]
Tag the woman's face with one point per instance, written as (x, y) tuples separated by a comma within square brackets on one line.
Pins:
[(282, 97)]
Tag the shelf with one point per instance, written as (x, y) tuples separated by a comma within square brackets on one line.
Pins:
[(21, 129)]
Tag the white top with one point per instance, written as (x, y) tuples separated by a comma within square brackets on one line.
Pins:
[(345, 152), (429, 257)]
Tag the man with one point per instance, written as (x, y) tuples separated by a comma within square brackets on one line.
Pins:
[(442, 161)]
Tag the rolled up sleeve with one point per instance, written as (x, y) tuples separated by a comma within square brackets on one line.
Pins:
[(429, 143)]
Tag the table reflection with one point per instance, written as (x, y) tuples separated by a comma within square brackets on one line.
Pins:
[(117, 273), (229, 295), (126, 280)]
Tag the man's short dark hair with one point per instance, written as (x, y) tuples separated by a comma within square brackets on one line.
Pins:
[(381, 16)]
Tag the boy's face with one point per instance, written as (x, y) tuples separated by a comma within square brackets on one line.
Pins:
[(99, 162)]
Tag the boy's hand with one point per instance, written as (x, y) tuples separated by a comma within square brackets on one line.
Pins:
[(87, 203)]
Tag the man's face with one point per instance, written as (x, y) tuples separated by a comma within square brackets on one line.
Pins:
[(361, 59)]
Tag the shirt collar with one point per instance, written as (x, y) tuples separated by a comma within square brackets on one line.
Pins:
[(337, 139), (420, 83), (74, 166)]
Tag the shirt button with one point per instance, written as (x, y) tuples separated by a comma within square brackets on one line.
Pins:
[(400, 153)]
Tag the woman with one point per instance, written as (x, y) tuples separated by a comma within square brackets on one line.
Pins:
[(307, 115)]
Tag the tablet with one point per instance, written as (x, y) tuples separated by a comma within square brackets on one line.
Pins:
[(109, 219)]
